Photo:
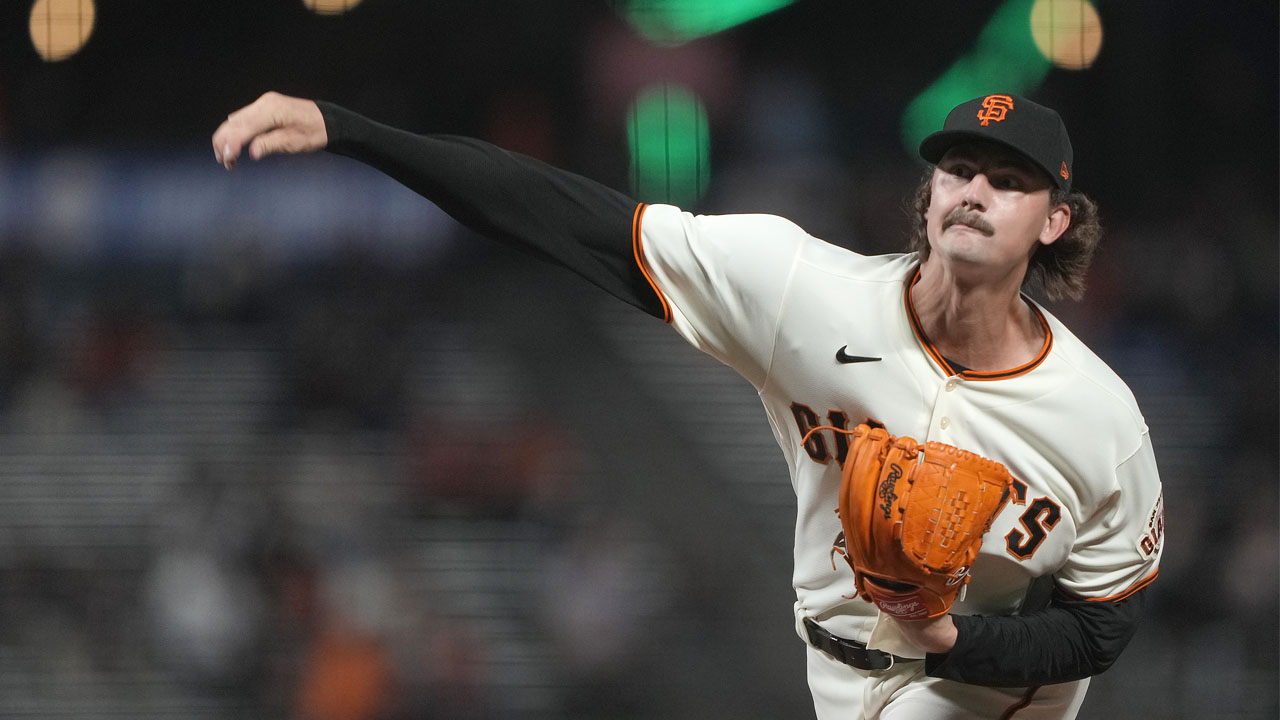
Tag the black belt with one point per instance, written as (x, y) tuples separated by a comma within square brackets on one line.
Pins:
[(850, 652)]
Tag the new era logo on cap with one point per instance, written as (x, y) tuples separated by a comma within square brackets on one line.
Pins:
[(1015, 122)]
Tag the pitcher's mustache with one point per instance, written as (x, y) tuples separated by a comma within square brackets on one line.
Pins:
[(971, 219)]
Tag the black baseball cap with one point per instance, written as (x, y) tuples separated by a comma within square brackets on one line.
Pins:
[(1010, 120)]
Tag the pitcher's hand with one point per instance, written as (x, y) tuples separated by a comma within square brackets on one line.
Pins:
[(273, 123), (934, 635)]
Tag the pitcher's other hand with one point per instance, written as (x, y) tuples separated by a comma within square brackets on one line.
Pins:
[(934, 635), (273, 123)]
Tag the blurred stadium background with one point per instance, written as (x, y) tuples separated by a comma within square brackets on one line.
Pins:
[(289, 443)]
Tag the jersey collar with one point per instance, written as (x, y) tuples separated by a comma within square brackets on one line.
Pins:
[(950, 369)]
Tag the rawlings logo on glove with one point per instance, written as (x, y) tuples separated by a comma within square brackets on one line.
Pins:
[(913, 518)]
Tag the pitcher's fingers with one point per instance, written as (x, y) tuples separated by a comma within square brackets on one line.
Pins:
[(224, 150), (228, 140), (244, 124), (280, 140)]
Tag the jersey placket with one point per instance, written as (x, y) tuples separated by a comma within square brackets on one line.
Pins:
[(945, 404)]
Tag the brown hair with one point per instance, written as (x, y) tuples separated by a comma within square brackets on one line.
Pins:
[(1058, 269)]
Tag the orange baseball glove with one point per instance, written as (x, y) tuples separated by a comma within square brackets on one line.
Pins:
[(913, 517)]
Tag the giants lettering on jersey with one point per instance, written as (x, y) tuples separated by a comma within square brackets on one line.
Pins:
[(816, 446), (1038, 519)]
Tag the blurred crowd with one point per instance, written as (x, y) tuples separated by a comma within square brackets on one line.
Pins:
[(221, 496)]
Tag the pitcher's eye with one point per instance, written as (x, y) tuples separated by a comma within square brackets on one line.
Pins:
[(1006, 182)]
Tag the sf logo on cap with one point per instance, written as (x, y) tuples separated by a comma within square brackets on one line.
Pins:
[(995, 107)]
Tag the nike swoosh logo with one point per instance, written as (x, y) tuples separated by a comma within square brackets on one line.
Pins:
[(844, 357)]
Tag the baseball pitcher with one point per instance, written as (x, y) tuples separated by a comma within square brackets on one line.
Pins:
[(978, 505)]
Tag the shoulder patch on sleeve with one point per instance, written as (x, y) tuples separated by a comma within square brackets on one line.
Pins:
[(1152, 539)]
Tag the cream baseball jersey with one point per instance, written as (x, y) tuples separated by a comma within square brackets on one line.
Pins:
[(829, 337)]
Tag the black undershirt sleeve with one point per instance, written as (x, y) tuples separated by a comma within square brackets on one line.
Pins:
[(552, 214), (1069, 640)]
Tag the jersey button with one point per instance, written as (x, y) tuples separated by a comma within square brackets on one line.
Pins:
[(945, 423), (951, 385)]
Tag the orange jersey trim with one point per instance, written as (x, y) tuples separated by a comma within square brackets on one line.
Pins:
[(950, 370), (637, 249), (1123, 594)]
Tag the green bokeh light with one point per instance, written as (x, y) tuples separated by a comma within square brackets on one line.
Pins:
[(1004, 59), (670, 149), (671, 22)]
